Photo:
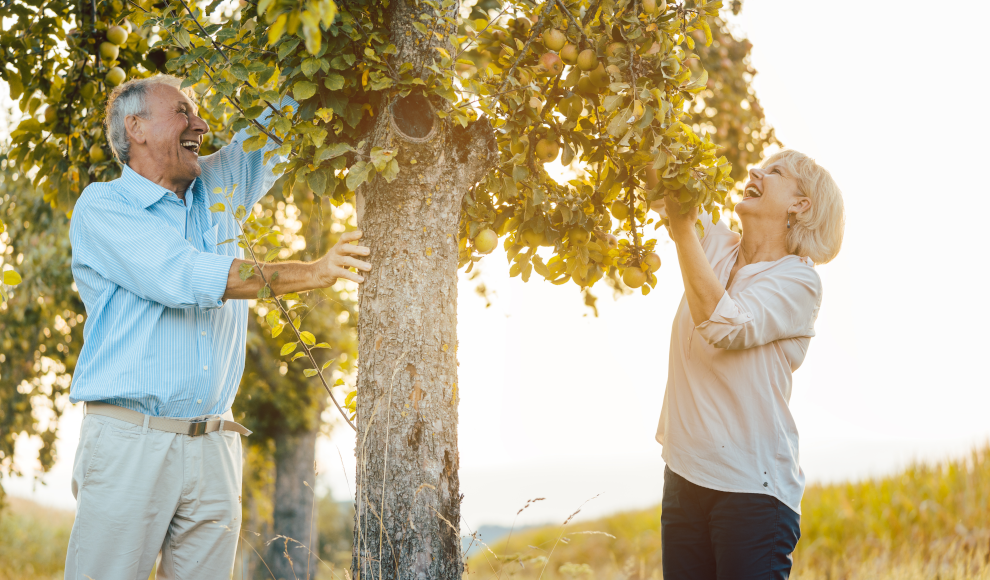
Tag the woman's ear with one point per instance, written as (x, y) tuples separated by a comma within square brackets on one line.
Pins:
[(134, 126), (800, 206)]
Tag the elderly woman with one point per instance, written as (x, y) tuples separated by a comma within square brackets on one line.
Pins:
[(733, 483)]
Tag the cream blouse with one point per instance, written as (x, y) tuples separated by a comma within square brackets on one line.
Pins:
[(725, 423)]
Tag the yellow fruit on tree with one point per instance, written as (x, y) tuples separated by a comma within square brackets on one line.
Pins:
[(554, 39), (525, 76), (96, 154), (533, 239), (547, 150), (585, 86), (485, 241), (650, 6), (587, 60), (117, 35), (599, 77), (109, 51), (620, 210), (652, 260), (614, 49), (115, 76), (88, 90), (613, 242), (551, 63), (569, 54), (579, 236), (634, 277), (50, 114)]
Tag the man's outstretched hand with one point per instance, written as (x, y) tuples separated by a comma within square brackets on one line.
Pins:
[(337, 263)]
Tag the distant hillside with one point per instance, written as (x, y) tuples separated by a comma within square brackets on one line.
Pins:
[(929, 521)]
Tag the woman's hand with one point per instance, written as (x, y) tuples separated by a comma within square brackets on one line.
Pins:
[(681, 224), (339, 260)]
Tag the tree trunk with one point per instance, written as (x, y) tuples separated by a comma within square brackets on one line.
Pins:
[(293, 509), (407, 515)]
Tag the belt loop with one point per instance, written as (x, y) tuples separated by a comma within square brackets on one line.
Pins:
[(221, 424), (147, 419)]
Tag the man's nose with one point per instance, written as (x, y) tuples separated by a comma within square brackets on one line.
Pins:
[(199, 125)]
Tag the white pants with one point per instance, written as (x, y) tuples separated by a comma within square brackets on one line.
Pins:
[(140, 491)]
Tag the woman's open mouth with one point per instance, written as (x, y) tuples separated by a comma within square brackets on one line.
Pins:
[(751, 191)]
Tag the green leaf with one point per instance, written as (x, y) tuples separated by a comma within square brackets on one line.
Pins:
[(288, 347), (11, 278), (246, 270), (358, 174), (307, 338), (322, 345), (309, 372), (218, 207), (334, 81), (310, 66), (272, 318), (328, 363), (272, 254), (303, 90), (297, 356), (277, 330)]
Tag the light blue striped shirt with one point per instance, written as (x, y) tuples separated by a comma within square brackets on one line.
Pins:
[(159, 338)]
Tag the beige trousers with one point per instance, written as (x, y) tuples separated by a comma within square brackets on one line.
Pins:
[(140, 492)]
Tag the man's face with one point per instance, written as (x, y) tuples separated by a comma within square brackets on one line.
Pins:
[(174, 133)]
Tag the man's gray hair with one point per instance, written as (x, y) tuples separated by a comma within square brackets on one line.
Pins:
[(129, 99)]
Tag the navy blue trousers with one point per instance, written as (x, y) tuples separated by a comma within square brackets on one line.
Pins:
[(718, 535)]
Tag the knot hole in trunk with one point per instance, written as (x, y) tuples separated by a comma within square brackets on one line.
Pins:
[(413, 117)]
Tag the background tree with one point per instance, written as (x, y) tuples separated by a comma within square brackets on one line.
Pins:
[(389, 108)]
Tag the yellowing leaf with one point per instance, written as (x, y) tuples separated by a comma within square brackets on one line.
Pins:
[(11, 278), (310, 372), (288, 347), (307, 338)]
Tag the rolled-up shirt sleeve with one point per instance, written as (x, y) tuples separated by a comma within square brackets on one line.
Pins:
[(774, 308), (156, 263), (248, 170)]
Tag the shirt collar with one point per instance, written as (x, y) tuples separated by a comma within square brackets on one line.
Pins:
[(146, 192)]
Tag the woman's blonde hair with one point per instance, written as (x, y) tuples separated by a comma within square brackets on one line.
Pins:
[(816, 233)]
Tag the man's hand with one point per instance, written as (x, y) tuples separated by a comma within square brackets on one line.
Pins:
[(339, 260)]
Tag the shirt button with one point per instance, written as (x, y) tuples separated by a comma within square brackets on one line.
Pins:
[(203, 333), (199, 401), (205, 367)]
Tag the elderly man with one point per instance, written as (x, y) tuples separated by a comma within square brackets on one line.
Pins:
[(158, 467)]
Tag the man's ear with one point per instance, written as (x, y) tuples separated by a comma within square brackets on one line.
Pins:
[(135, 127)]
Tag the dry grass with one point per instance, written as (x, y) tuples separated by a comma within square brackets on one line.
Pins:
[(33, 540), (929, 521)]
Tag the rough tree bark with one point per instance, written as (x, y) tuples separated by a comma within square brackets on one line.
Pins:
[(408, 497), (293, 507)]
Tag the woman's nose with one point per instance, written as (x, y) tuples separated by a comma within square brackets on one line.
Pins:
[(755, 173)]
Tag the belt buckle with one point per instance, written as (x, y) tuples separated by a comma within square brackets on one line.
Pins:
[(197, 428)]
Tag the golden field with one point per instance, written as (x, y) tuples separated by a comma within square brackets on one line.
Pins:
[(926, 522), (930, 521)]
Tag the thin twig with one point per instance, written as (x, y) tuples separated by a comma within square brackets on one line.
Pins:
[(567, 13), (281, 307), (522, 53)]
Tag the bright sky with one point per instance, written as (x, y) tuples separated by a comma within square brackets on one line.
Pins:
[(558, 404)]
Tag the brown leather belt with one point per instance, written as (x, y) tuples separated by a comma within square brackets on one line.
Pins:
[(191, 428)]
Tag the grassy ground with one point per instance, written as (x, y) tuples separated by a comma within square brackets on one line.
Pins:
[(32, 540), (929, 521)]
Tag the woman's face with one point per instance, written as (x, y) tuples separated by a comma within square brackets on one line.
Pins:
[(770, 195)]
